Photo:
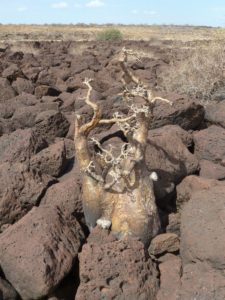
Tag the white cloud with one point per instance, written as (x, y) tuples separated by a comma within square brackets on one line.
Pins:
[(134, 11), (95, 3), (77, 5), (150, 12), (60, 5), (22, 8), (218, 8)]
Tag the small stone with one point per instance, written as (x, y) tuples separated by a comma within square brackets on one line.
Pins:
[(162, 243), (170, 278)]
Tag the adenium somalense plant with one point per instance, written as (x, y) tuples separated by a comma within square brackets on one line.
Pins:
[(118, 191)]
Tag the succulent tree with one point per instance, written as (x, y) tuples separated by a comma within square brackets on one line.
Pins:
[(118, 190)]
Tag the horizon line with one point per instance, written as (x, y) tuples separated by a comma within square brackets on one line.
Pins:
[(106, 24)]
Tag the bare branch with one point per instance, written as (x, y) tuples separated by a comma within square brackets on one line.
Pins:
[(116, 120), (116, 175), (86, 128), (161, 99), (127, 75), (90, 170)]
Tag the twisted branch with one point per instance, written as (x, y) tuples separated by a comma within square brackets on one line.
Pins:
[(86, 128)]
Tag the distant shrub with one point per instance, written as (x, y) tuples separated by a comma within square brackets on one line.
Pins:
[(111, 34)]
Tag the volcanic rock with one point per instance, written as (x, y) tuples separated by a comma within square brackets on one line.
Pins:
[(45, 256), (202, 228), (192, 184), (22, 189), (212, 171), (20, 145), (163, 243), (51, 124), (6, 91), (215, 113), (170, 284), (210, 144), (185, 113), (112, 269), (51, 160), (200, 281)]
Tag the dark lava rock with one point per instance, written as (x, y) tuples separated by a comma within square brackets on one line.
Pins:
[(170, 278), (111, 269), (22, 189), (44, 90), (20, 145), (39, 251), (23, 85), (66, 195), (51, 124), (211, 171), (202, 228), (51, 160), (210, 144), (12, 72), (200, 281), (192, 184), (6, 91), (215, 114), (164, 243), (185, 113)]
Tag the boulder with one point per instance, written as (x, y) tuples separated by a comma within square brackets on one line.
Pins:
[(51, 102), (210, 144), (111, 269), (215, 114), (173, 225), (12, 72), (51, 124), (7, 109), (31, 72), (20, 145), (45, 90), (185, 113), (39, 251), (192, 184), (24, 116), (170, 278), (78, 65), (211, 170), (200, 281), (22, 189), (6, 91), (202, 228), (68, 101), (51, 160), (66, 195), (24, 99), (21, 85), (164, 243)]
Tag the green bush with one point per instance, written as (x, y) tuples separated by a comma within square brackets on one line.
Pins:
[(110, 35)]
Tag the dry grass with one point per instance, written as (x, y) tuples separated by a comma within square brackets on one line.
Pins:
[(200, 75), (89, 33)]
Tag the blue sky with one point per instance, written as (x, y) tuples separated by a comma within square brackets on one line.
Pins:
[(192, 12)]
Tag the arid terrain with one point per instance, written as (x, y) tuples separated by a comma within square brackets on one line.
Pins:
[(46, 249), (84, 32)]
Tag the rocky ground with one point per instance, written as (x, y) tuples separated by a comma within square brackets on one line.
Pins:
[(46, 251)]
